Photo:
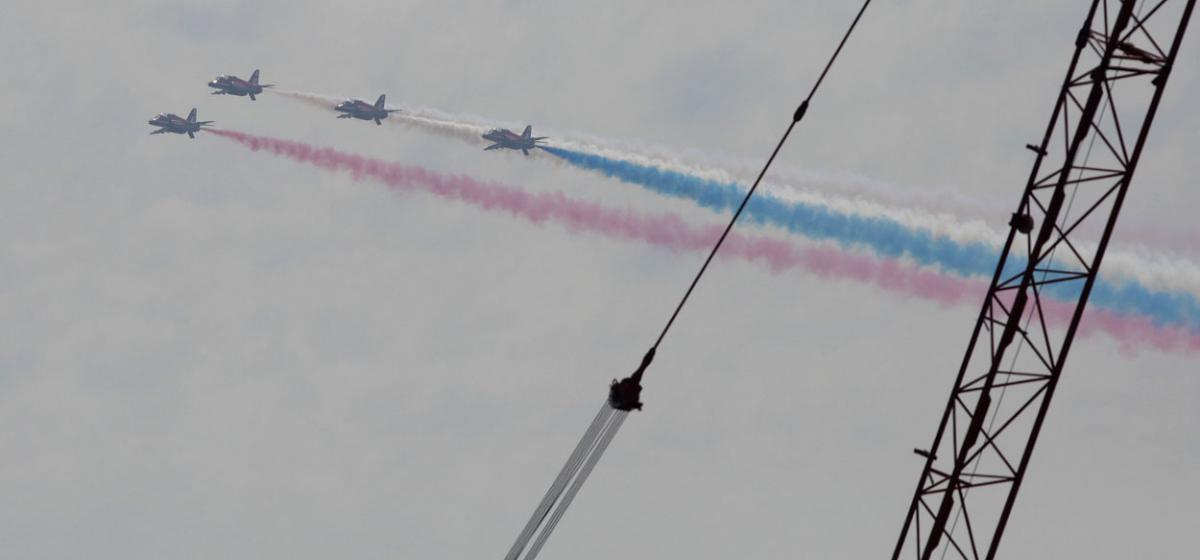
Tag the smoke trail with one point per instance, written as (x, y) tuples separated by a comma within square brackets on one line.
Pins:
[(946, 213), (789, 183), (468, 133), (669, 231), (1163, 288), (318, 100), (879, 234), (886, 237), (934, 234), (934, 231), (962, 246)]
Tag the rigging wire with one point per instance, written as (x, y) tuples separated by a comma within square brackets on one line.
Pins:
[(569, 470)]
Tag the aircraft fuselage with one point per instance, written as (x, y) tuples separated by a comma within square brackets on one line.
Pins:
[(358, 109), (233, 85), (505, 138), (175, 124)]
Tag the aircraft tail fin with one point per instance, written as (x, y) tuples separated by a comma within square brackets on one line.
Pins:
[(192, 115), (528, 132), (254, 78), (379, 102)]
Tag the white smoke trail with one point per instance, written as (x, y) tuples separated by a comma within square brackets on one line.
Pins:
[(465, 132), (315, 99)]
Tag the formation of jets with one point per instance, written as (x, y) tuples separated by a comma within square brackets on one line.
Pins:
[(501, 138)]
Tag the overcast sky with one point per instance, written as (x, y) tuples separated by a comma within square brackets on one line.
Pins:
[(210, 353)]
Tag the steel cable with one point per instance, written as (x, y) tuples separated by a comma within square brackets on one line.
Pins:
[(799, 114), (581, 453)]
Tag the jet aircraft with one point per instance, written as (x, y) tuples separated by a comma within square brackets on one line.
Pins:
[(233, 85), (359, 109), (505, 138), (170, 122)]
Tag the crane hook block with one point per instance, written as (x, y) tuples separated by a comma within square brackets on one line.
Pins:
[(626, 393)]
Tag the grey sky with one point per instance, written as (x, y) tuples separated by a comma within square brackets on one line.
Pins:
[(208, 353)]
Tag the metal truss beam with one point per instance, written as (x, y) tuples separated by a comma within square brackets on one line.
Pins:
[(980, 453)]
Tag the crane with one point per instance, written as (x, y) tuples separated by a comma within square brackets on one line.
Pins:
[(1081, 174)]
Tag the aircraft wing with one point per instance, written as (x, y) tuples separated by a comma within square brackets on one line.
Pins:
[(493, 147), (159, 131)]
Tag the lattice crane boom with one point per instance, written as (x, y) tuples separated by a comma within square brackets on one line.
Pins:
[(1084, 164)]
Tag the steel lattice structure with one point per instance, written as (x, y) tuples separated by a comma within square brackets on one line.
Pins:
[(1084, 164)]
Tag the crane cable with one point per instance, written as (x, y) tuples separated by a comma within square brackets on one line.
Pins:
[(799, 114), (624, 395)]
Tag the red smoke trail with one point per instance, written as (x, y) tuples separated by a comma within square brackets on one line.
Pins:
[(670, 231)]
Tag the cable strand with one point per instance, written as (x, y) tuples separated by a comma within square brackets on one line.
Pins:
[(799, 114)]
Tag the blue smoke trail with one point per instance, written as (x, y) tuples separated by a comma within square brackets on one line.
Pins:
[(884, 236)]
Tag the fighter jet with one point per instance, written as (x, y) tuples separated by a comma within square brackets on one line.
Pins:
[(233, 85), (359, 109), (505, 138), (170, 122)]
